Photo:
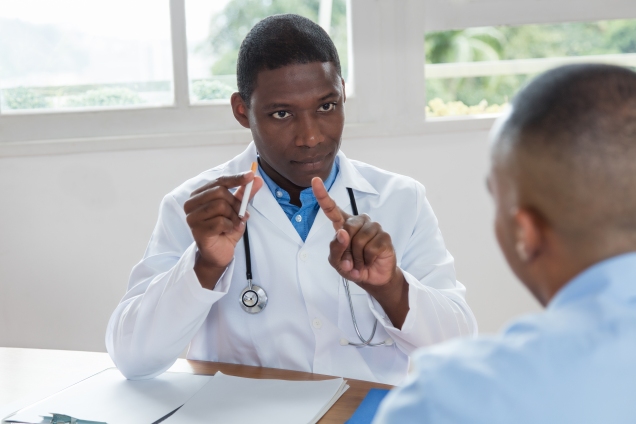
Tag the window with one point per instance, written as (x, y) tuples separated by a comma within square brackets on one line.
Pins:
[(477, 70), (157, 73), (216, 29), (72, 54)]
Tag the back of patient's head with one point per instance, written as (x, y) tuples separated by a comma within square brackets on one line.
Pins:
[(278, 41), (570, 146)]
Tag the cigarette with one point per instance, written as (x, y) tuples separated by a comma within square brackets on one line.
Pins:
[(247, 192)]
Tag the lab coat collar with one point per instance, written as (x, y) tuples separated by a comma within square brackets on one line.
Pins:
[(348, 176), (351, 177)]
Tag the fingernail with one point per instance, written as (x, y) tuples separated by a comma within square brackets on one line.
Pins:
[(340, 237), (355, 274), (346, 265)]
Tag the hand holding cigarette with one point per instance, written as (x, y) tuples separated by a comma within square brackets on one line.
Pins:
[(212, 213)]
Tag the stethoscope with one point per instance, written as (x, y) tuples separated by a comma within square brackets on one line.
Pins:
[(253, 298)]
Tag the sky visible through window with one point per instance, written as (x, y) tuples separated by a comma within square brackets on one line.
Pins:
[(215, 33), (76, 54)]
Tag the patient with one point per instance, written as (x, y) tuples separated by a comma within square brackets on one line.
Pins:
[(563, 177)]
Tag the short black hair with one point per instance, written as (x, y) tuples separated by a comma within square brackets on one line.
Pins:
[(574, 101), (278, 41), (571, 142)]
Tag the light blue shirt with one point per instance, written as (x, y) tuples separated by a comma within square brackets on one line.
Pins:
[(573, 363), (302, 218)]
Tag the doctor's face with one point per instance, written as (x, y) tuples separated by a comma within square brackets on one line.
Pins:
[(296, 117)]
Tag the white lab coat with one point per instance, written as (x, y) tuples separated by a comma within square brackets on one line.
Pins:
[(165, 308)]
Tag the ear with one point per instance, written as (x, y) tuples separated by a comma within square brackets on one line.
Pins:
[(239, 109), (344, 92), (529, 234)]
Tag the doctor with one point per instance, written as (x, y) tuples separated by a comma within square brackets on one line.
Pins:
[(327, 278)]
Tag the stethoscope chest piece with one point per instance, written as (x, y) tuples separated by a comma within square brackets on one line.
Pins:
[(253, 298)]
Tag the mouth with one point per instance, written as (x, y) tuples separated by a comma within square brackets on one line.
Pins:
[(314, 163)]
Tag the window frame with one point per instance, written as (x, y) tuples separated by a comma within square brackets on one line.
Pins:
[(385, 40)]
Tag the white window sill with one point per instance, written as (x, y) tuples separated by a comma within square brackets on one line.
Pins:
[(233, 136)]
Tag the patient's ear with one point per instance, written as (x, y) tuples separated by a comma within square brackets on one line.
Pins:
[(239, 109), (529, 234)]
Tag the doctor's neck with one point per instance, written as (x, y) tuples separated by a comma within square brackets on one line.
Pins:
[(291, 188)]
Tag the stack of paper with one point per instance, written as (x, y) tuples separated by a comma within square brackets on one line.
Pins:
[(229, 400), (109, 397)]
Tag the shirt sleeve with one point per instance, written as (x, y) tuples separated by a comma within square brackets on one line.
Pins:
[(437, 308), (437, 390), (165, 304)]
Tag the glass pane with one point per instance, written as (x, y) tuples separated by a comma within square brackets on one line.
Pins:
[(477, 70), (84, 54), (215, 30)]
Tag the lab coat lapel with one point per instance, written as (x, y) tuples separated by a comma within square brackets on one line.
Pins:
[(338, 193), (348, 176)]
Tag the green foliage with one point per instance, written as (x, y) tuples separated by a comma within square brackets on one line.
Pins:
[(570, 39), (438, 107), (107, 96), (509, 43), (229, 27), (24, 98), (469, 45), (211, 90), (621, 35)]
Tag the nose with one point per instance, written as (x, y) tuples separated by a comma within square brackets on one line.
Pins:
[(309, 132)]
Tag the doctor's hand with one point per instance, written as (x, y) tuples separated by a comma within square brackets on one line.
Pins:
[(363, 252), (212, 214)]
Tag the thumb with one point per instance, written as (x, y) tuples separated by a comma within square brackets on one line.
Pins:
[(239, 230), (336, 215), (340, 252)]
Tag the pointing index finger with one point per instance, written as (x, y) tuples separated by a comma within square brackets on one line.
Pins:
[(327, 204)]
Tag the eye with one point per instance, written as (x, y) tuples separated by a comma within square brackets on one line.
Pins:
[(281, 114), (327, 107)]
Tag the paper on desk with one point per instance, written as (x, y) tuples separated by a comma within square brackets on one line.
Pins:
[(235, 400), (109, 397)]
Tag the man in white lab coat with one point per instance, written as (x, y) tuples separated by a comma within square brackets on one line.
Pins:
[(304, 238)]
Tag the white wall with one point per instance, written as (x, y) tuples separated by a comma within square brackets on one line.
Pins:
[(72, 226)]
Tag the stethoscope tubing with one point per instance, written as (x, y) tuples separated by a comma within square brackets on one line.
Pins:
[(248, 273)]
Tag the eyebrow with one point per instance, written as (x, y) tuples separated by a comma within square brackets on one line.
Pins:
[(325, 97), (272, 106)]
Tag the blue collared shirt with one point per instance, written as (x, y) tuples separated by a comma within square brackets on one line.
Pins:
[(302, 218), (573, 363)]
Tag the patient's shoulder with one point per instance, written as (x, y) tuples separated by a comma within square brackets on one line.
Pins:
[(559, 359)]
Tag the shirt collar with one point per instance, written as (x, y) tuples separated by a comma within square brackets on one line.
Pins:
[(306, 194), (616, 275), (347, 173)]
